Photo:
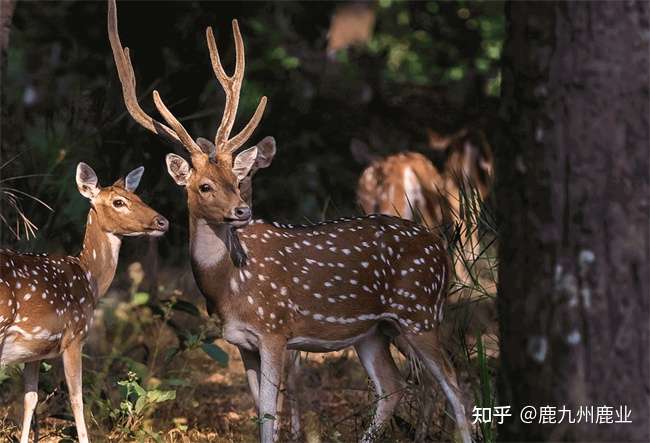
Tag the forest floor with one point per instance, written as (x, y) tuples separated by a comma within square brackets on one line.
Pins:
[(212, 402)]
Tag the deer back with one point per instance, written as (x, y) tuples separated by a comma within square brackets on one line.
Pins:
[(331, 279), (45, 302), (406, 185)]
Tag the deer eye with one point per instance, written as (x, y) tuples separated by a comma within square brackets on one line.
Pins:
[(118, 203), (205, 188)]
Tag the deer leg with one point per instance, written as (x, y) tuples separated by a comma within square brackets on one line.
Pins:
[(251, 360), (272, 360), (30, 375), (292, 372), (426, 348), (374, 353), (423, 379), (72, 369)]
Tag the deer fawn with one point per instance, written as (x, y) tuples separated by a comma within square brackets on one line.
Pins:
[(47, 301), (410, 186), (362, 282)]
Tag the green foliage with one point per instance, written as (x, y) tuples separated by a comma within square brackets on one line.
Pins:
[(261, 420), (216, 353), (484, 395), (4, 374), (139, 298), (437, 43), (123, 405), (128, 419)]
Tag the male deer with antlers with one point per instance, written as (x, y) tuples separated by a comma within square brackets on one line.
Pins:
[(361, 282), (47, 301)]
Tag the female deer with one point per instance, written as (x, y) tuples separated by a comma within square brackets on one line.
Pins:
[(47, 301), (408, 185)]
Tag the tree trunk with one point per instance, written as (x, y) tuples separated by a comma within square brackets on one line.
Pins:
[(6, 14), (573, 201)]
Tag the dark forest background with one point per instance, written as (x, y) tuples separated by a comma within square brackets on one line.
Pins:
[(425, 66)]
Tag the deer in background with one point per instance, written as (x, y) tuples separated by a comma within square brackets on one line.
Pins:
[(408, 185), (352, 24), (47, 301), (365, 282)]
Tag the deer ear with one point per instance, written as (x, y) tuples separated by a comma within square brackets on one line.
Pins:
[(87, 182), (361, 152), (266, 149), (244, 162), (132, 180), (438, 141), (179, 169)]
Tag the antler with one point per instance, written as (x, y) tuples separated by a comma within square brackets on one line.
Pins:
[(176, 136), (232, 87)]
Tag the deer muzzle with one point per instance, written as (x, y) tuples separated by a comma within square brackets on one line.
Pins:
[(160, 225), (240, 216)]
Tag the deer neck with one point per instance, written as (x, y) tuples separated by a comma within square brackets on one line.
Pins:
[(214, 248), (99, 254)]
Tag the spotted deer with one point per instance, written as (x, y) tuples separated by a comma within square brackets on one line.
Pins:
[(408, 185), (362, 282), (47, 301)]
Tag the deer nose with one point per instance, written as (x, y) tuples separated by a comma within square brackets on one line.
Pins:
[(161, 223), (242, 213)]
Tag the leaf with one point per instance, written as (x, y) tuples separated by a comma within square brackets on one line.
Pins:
[(216, 353), (69, 431), (265, 418), (139, 298), (170, 353), (63, 416), (158, 396), (138, 389), (187, 307), (177, 382), (141, 370), (140, 404), (4, 375)]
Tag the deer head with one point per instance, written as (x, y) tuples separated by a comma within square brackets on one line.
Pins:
[(468, 155), (212, 177), (119, 211), (471, 157)]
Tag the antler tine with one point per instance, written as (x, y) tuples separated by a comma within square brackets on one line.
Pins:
[(237, 141), (240, 56), (176, 125), (127, 78), (219, 72), (230, 84), (232, 87)]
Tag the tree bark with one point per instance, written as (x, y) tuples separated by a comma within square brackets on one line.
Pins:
[(6, 14), (573, 200)]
